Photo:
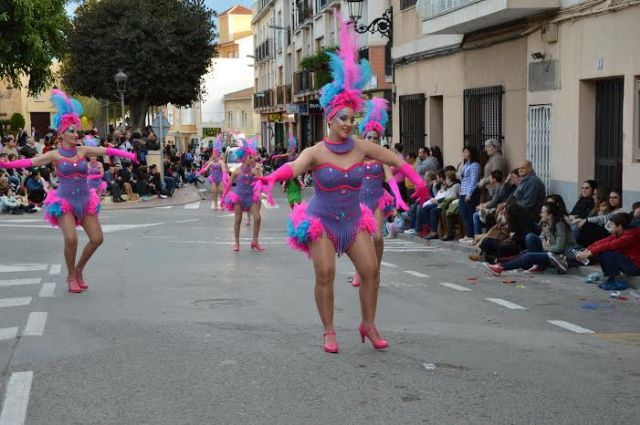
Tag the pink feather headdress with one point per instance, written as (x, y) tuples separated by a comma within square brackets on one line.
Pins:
[(375, 116), (349, 77), (68, 111)]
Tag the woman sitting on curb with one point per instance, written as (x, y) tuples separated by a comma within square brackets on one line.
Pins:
[(544, 250)]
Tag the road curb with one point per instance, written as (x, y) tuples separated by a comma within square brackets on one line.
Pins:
[(194, 196)]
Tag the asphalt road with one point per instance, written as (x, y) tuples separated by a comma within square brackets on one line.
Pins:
[(178, 329)]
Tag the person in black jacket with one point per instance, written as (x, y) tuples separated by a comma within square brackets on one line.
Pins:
[(585, 203)]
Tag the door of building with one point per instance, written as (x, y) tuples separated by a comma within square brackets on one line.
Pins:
[(412, 119), (41, 121), (483, 117), (608, 164), (539, 143)]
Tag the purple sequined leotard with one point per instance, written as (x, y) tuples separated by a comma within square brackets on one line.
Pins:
[(98, 184), (215, 173), (243, 192), (372, 193), (334, 209), (73, 194)]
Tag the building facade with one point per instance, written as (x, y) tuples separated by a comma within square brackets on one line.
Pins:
[(290, 36), (239, 113), (557, 81)]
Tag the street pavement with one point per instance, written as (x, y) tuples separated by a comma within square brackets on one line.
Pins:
[(178, 329)]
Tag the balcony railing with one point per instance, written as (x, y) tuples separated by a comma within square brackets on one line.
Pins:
[(302, 82), (264, 51), (283, 95), (263, 99), (304, 12), (259, 6), (428, 9)]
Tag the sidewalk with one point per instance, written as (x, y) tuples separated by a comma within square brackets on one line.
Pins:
[(584, 271), (186, 195)]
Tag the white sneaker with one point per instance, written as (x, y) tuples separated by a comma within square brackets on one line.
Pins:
[(466, 239), (410, 232), (163, 196)]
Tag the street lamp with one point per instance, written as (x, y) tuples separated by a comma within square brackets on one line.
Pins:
[(382, 24), (121, 81)]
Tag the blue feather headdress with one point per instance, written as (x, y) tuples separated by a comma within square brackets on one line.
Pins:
[(375, 116), (68, 111)]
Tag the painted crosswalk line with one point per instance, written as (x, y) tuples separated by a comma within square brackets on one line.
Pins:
[(17, 268), (16, 399), (55, 269), (35, 323), (14, 302), (47, 290), (20, 282), (455, 286), (8, 333), (417, 274), (192, 206)]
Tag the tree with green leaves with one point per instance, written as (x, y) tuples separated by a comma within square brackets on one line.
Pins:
[(164, 46), (32, 35)]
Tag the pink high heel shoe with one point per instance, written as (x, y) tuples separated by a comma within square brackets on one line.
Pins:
[(379, 343), (73, 286), (257, 247), (81, 283), (331, 347), (356, 280), (236, 247)]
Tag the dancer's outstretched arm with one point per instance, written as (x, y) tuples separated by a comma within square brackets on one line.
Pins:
[(395, 190), (204, 168), (100, 151), (32, 162)]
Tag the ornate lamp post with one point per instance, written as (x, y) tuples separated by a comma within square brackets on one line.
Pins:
[(121, 81), (382, 24)]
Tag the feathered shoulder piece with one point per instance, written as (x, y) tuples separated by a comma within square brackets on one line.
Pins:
[(89, 140), (68, 111), (375, 116), (248, 148), (349, 77)]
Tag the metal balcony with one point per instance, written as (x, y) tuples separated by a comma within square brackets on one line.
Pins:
[(263, 99), (302, 82), (465, 16), (264, 51)]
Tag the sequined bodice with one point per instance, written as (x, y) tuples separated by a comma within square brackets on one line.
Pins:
[(372, 188), (70, 170), (245, 177), (72, 176), (93, 169), (330, 178)]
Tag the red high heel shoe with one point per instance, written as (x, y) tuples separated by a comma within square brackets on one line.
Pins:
[(236, 247), (257, 247), (331, 347), (379, 343), (73, 286), (81, 283)]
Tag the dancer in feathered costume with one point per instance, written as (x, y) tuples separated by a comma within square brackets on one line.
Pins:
[(218, 176), (292, 187), (334, 220), (73, 203), (372, 193), (245, 195)]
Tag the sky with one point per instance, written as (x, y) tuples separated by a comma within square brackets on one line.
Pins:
[(217, 5)]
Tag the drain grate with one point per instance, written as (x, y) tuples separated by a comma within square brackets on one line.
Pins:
[(212, 303)]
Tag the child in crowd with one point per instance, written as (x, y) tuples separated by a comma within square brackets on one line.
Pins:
[(396, 226)]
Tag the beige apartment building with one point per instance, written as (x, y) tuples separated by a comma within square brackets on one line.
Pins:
[(240, 116), (557, 81)]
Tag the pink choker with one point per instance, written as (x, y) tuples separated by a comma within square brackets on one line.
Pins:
[(339, 147)]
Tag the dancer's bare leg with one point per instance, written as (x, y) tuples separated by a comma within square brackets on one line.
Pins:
[(92, 228), (214, 194), (237, 223), (363, 256), (324, 264), (67, 224), (378, 240), (257, 219)]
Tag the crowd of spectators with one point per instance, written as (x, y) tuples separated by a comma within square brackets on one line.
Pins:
[(513, 224), (24, 190)]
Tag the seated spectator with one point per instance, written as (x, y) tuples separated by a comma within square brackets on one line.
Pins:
[(485, 213), (446, 196), (494, 163), (29, 150), (518, 226), (542, 251), (596, 227), (419, 213), (124, 179), (8, 202), (10, 146), (635, 212), (530, 193), (35, 187), (396, 226), (586, 202), (23, 201), (618, 253), (425, 162)]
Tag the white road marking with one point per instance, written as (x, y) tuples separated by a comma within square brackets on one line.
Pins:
[(192, 206), (409, 250), (14, 302), (14, 268), (166, 207), (35, 324), (505, 303), (29, 226), (570, 326), (110, 228), (213, 205), (454, 286), (187, 221), (16, 399), (271, 207), (55, 269), (417, 274), (19, 282), (8, 333), (22, 220), (393, 266), (47, 290), (227, 215)]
